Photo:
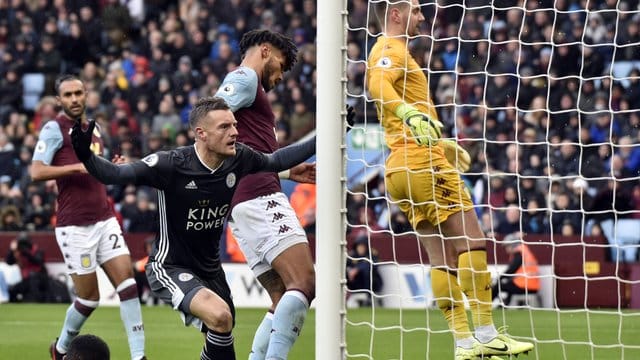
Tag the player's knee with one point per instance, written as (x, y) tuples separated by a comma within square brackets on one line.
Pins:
[(219, 319), (127, 289), (85, 306)]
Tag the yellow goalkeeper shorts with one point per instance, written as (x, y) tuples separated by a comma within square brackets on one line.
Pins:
[(431, 194)]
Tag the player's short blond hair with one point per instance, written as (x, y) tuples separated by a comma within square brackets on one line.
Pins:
[(382, 7)]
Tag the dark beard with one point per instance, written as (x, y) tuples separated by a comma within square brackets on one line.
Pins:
[(265, 83)]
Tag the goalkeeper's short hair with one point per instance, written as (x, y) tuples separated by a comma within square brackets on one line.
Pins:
[(381, 7)]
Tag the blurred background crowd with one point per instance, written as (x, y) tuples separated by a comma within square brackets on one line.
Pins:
[(545, 96)]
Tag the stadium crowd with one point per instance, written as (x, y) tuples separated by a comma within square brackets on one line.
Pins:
[(529, 93)]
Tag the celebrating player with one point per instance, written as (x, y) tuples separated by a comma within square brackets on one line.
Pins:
[(86, 230), (421, 175), (277, 251), (195, 187)]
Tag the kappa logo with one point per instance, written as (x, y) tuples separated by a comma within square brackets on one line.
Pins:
[(283, 229), (271, 204), (191, 185), (277, 216)]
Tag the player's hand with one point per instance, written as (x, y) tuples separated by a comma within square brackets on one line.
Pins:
[(303, 173), (351, 117), (425, 130), (81, 140), (456, 155), (119, 159)]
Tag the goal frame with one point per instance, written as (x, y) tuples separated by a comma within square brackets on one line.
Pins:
[(330, 338)]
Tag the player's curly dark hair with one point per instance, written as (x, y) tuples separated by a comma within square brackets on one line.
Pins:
[(279, 41), (203, 107)]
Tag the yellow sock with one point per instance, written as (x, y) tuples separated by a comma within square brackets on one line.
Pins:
[(475, 282), (449, 299)]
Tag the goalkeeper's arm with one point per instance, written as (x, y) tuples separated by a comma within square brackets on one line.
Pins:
[(425, 129)]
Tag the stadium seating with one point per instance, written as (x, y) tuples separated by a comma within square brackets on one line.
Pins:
[(624, 236), (32, 89)]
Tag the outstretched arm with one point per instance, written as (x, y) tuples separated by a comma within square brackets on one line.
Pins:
[(109, 173), (289, 156)]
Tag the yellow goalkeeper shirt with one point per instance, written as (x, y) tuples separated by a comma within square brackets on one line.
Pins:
[(394, 77)]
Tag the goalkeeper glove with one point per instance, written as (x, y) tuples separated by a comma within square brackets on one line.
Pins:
[(81, 140), (456, 155), (426, 131)]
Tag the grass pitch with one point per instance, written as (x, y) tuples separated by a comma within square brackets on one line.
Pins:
[(27, 329)]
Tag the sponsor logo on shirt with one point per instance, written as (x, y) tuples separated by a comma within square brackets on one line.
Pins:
[(202, 217)]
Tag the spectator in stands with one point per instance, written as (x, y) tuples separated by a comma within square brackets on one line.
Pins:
[(34, 285), (510, 221), (10, 217), (141, 213), (522, 273), (167, 121), (48, 61), (564, 211), (363, 276), (10, 92)]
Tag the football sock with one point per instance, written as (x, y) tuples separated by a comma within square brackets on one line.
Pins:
[(288, 319), (448, 295), (475, 281), (218, 346), (131, 316), (77, 314), (261, 338), (485, 333)]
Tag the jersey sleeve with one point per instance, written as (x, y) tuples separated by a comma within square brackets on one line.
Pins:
[(387, 65), (282, 159), (49, 141), (239, 88), (154, 170)]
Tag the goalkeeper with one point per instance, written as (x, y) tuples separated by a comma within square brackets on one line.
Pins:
[(423, 175)]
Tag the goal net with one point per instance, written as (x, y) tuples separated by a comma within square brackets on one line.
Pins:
[(545, 97)]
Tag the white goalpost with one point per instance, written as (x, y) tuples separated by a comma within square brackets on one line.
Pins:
[(545, 96), (330, 223)]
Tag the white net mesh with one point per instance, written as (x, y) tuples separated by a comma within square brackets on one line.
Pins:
[(545, 96)]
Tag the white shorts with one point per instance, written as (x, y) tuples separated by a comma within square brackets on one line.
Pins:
[(264, 228), (86, 247)]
